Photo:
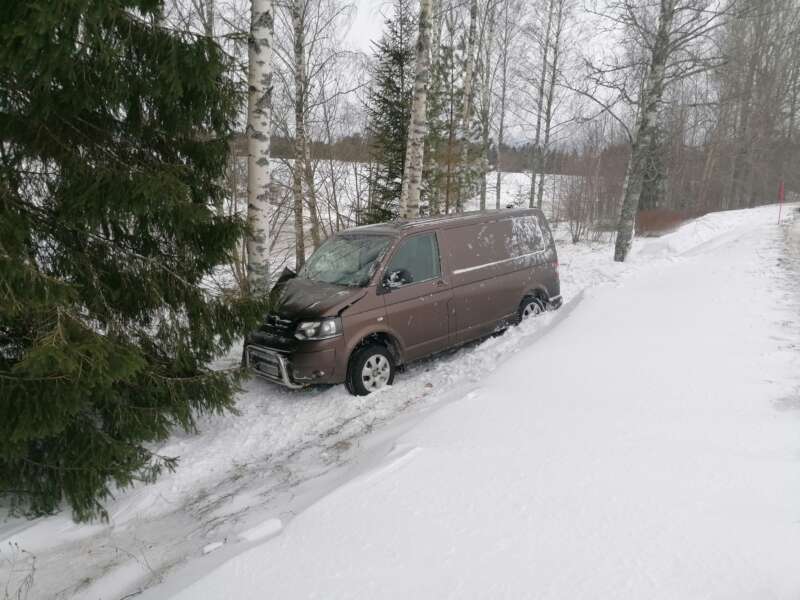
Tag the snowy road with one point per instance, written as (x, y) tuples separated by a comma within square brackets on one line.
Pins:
[(526, 466)]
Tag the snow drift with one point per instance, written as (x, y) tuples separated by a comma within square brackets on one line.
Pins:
[(634, 449)]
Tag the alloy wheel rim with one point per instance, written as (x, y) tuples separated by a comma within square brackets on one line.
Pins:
[(531, 310), (375, 373)]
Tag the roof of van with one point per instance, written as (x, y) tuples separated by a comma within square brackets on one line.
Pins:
[(399, 225)]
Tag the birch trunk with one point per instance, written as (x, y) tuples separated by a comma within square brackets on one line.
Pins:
[(466, 113), (259, 128), (297, 198), (652, 93), (418, 127), (535, 163), (298, 169), (548, 108), (431, 165), (501, 128), (208, 18), (486, 90), (311, 190)]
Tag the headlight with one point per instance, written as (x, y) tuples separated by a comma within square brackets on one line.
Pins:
[(319, 330)]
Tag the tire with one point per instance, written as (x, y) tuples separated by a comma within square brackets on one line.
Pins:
[(371, 368), (531, 306)]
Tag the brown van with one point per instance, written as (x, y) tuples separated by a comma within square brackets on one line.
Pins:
[(376, 297)]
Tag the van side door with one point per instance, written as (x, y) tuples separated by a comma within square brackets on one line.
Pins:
[(484, 294), (417, 297)]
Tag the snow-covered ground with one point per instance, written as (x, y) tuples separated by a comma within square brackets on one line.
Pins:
[(640, 442)]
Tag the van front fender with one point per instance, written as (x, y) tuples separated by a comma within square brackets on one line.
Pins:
[(381, 334)]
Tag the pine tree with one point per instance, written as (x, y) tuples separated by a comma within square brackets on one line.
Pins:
[(390, 109), (113, 141)]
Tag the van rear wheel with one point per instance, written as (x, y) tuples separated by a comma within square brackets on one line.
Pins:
[(371, 369), (531, 306)]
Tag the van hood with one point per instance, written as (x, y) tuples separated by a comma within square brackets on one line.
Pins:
[(303, 298)]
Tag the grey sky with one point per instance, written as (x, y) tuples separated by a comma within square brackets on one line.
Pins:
[(368, 23)]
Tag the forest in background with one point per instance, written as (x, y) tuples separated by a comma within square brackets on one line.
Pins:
[(544, 87)]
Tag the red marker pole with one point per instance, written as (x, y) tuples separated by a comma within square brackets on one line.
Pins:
[(780, 201)]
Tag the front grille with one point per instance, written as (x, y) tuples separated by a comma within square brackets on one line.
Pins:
[(278, 326), (265, 363), (270, 365)]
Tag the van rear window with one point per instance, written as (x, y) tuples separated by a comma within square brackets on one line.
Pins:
[(526, 236)]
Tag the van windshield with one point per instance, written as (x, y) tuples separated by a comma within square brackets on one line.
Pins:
[(348, 260)]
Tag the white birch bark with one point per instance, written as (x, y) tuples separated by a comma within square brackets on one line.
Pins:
[(259, 128), (466, 112), (431, 162), (652, 93), (537, 151), (501, 127), (418, 128), (298, 169), (486, 100), (208, 18), (548, 107), (311, 190)]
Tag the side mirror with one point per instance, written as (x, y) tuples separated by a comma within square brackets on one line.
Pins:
[(397, 278), (286, 275)]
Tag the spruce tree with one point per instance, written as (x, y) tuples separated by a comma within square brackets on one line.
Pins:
[(113, 140), (390, 109)]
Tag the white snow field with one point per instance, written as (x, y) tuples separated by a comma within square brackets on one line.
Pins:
[(641, 442)]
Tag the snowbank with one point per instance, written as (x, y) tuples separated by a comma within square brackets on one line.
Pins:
[(634, 449)]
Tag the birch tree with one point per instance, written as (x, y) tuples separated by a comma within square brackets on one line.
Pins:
[(507, 36), (444, 105), (487, 47), (645, 130), (466, 113), (536, 163), (557, 35), (431, 170), (298, 10), (663, 42), (206, 9), (412, 173), (259, 129), (669, 57)]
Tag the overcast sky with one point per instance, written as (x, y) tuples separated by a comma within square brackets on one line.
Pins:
[(368, 23)]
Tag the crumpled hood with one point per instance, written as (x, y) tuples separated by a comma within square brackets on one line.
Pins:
[(303, 298)]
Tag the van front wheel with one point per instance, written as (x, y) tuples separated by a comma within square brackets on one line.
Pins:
[(530, 307), (371, 369)]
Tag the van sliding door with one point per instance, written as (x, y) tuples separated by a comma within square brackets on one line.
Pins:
[(493, 265)]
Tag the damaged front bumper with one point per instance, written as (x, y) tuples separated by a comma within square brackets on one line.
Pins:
[(292, 363), (270, 365)]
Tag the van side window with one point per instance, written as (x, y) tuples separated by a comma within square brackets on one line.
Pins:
[(526, 236), (417, 258)]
